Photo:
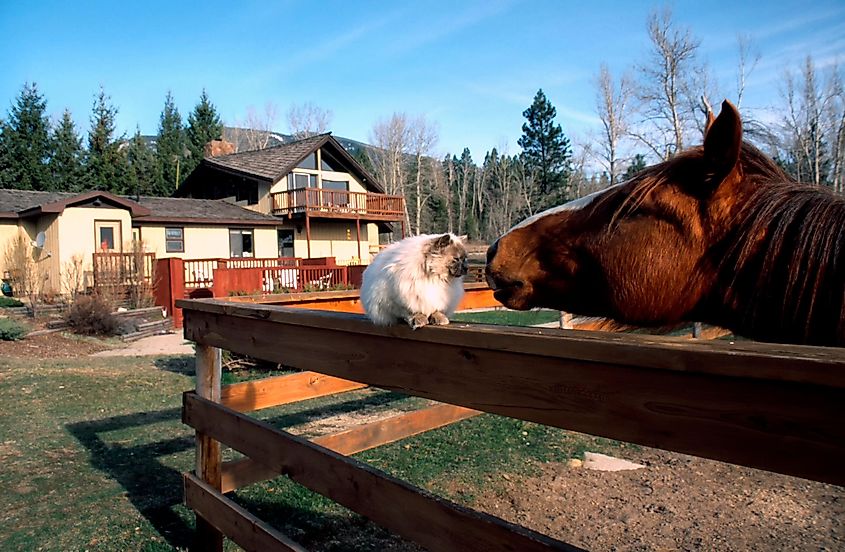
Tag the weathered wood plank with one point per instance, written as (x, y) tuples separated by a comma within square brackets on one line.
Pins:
[(249, 532), (239, 473), (208, 455), (817, 365), (774, 418), (268, 392), (431, 521)]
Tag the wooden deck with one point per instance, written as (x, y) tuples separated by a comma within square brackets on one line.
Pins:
[(317, 202)]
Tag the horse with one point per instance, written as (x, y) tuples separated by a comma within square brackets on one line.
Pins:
[(717, 234)]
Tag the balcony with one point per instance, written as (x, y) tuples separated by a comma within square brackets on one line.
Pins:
[(318, 202)]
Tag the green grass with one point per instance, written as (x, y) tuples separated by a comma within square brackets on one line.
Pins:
[(6, 302), (508, 317), (92, 451)]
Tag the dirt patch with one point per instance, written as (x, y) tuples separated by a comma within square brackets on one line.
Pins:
[(677, 502), (53, 345)]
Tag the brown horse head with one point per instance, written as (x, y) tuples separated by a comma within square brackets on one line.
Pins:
[(716, 234)]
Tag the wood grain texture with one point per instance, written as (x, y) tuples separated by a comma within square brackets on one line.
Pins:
[(268, 392), (780, 408), (431, 521), (239, 473), (208, 458), (249, 532)]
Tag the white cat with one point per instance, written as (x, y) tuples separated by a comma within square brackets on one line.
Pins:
[(418, 280)]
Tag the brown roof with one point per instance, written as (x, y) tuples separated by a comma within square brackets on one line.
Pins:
[(23, 203), (273, 163)]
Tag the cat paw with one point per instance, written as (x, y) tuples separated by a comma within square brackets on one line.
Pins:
[(439, 319), (417, 321)]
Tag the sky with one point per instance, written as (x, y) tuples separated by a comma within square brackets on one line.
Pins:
[(469, 67)]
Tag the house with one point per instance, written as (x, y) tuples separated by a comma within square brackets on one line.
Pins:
[(325, 201), (61, 229)]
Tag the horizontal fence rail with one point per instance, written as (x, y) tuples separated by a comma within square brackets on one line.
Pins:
[(123, 268), (774, 407)]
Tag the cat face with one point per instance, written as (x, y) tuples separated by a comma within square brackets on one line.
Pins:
[(446, 256)]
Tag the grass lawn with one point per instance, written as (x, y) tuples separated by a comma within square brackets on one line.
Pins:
[(92, 451), (508, 317)]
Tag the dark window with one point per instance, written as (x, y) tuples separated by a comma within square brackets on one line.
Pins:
[(285, 243), (107, 238), (174, 240), (309, 162), (335, 185), (329, 163), (240, 243), (298, 181)]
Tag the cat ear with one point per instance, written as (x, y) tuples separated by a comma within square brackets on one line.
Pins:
[(441, 242)]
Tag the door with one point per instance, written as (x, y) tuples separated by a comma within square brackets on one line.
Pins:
[(285, 243), (107, 236)]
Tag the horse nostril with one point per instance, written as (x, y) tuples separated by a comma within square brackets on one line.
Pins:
[(491, 251)]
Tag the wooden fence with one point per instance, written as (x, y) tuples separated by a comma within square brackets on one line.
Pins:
[(779, 408), (123, 269)]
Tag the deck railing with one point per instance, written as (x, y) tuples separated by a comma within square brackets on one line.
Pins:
[(338, 203), (111, 269), (199, 273)]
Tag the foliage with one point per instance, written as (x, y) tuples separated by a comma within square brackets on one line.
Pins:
[(170, 148), (26, 142), (66, 156), (105, 164), (144, 171), (20, 260), (204, 125), (92, 315), (12, 330), (9, 302), (546, 150)]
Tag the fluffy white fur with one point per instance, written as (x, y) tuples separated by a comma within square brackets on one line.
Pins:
[(400, 283)]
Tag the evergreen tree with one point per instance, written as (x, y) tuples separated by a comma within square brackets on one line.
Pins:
[(66, 156), (204, 125), (26, 142), (105, 164), (637, 164), (6, 171), (546, 151), (143, 176), (170, 148)]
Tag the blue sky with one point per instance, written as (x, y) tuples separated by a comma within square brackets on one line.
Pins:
[(472, 67)]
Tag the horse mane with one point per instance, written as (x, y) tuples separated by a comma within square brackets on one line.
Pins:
[(786, 257)]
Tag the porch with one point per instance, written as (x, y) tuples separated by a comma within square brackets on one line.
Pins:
[(320, 202)]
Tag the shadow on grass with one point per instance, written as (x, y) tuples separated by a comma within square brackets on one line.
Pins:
[(156, 489), (183, 365)]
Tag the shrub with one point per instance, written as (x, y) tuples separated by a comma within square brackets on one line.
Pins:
[(12, 330), (92, 315), (6, 302)]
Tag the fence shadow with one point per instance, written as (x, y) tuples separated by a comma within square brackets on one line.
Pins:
[(154, 488)]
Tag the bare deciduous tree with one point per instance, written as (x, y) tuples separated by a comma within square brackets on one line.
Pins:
[(613, 103), (390, 139), (423, 136), (308, 119), (673, 81)]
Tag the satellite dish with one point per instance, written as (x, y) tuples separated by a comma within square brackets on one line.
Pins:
[(39, 240)]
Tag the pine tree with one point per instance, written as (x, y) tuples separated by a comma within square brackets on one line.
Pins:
[(26, 142), (143, 176), (204, 125), (546, 151), (637, 164), (6, 159), (66, 156), (105, 164), (170, 147)]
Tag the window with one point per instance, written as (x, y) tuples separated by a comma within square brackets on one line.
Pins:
[(338, 195), (107, 234), (309, 162), (329, 163), (298, 181), (174, 240), (240, 243), (285, 243)]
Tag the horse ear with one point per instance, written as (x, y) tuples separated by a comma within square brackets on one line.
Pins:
[(722, 143)]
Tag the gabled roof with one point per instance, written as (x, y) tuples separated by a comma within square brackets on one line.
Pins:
[(146, 209), (272, 164)]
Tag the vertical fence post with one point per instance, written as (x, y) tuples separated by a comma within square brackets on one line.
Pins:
[(209, 459)]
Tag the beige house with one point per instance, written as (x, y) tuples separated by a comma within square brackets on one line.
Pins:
[(63, 230), (327, 204)]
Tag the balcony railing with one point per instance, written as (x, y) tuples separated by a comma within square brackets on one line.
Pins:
[(339, 204)]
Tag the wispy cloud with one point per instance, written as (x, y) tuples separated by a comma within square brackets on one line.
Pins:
[(427, 31)]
